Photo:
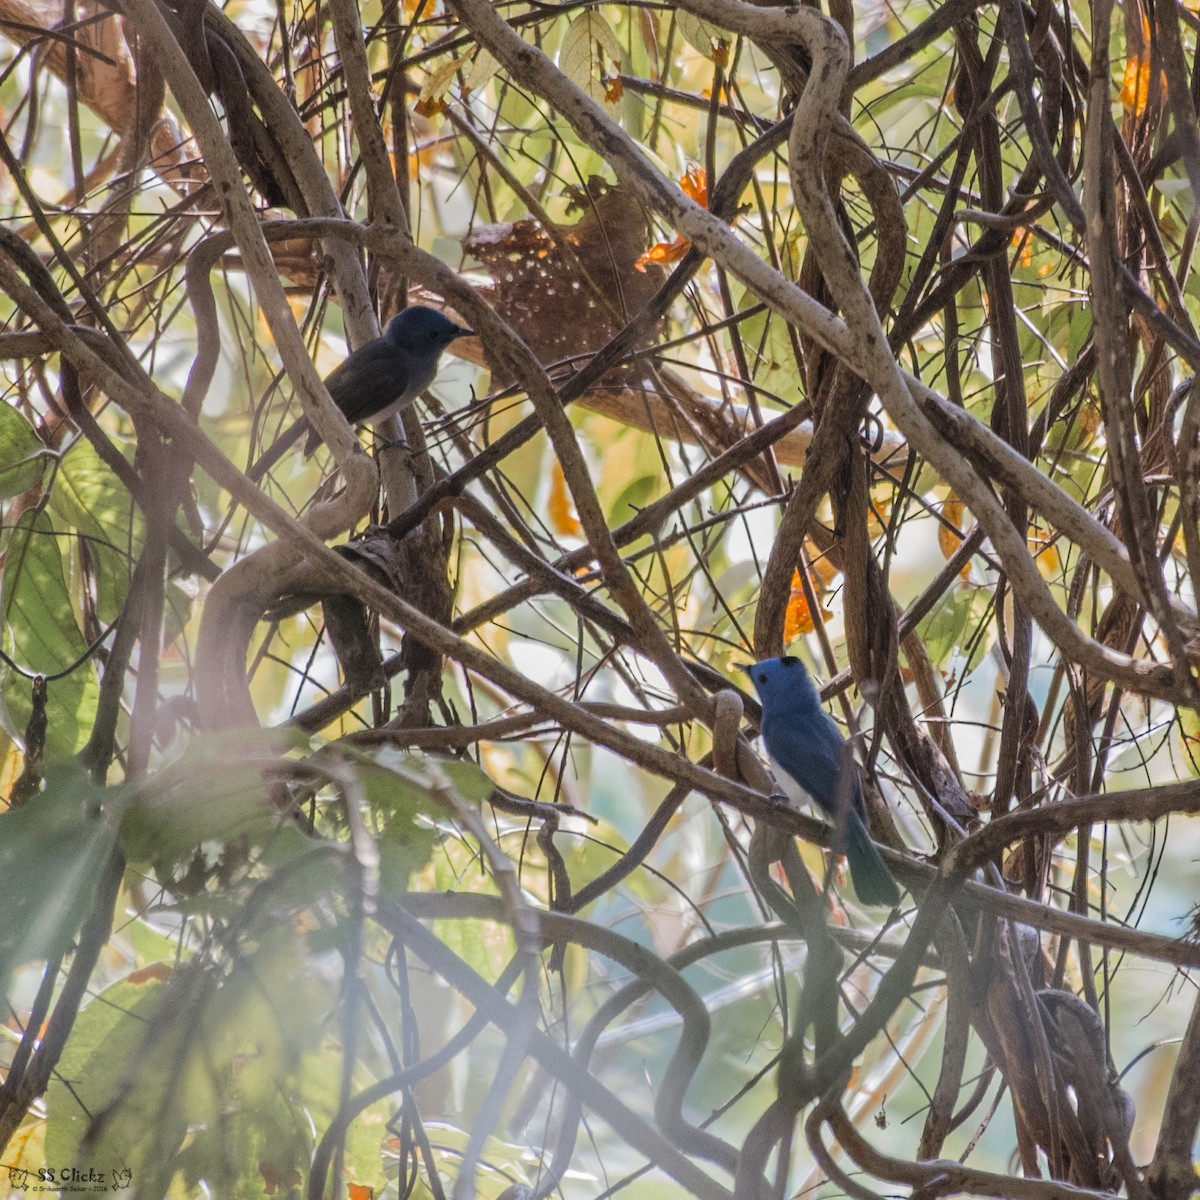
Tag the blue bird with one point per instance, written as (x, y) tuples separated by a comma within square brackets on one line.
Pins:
[(807, 752), (391, 371)]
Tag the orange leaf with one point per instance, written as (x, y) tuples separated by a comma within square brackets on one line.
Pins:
[(560, 510), (154, 973), (822, 566), (798, 618), (1024, 243), (1044, 550), (694, 186), (614, 90), (948, 540), (664, 252), (1135, 87), (430, 108), (360, 1191)]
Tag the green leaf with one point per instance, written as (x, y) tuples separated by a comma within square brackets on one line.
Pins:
[(89, 498), (217, 1077), (467, 777), (1080, 330), (23, 457), (484, 946), (404, 813), (943, 629), (53, 852), (905, 95), (770, 353), (213, 791), (1188, 729), (43, 637), (104, 1042)]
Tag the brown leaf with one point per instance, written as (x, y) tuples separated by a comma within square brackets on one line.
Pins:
[(567, 289)]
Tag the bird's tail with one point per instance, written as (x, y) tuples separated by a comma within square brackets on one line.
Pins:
[(872, 880), (279, 447)]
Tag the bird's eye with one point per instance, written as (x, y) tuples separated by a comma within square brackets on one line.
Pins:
[(762, 678)]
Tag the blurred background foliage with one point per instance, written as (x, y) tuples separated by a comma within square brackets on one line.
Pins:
[(259, 961)]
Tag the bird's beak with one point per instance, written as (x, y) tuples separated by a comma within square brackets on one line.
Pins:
[(747, 667), (463, 331)]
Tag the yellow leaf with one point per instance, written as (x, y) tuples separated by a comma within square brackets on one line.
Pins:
[(483, 67)]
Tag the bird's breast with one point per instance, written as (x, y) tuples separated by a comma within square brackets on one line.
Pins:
[(787, 783)]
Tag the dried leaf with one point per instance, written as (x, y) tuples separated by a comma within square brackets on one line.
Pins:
[(566, 291), (432, 97), (711, 40), (1043, 547), (1022, 242), (588, 39), (483, 67), (821, 564)]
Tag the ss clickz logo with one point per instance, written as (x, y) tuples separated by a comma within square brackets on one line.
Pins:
[(74, 1178), (70, 1175)]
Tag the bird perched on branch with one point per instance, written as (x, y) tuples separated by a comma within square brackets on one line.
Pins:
[(809, 754), (390, 371), (379, 378)]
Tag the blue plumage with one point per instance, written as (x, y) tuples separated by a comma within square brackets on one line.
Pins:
[(806, 749)]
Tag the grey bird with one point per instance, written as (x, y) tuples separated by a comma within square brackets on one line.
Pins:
[(390, 371), (379, 378)]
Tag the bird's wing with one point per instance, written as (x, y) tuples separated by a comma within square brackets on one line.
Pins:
[(368, 381), (809, 748)]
